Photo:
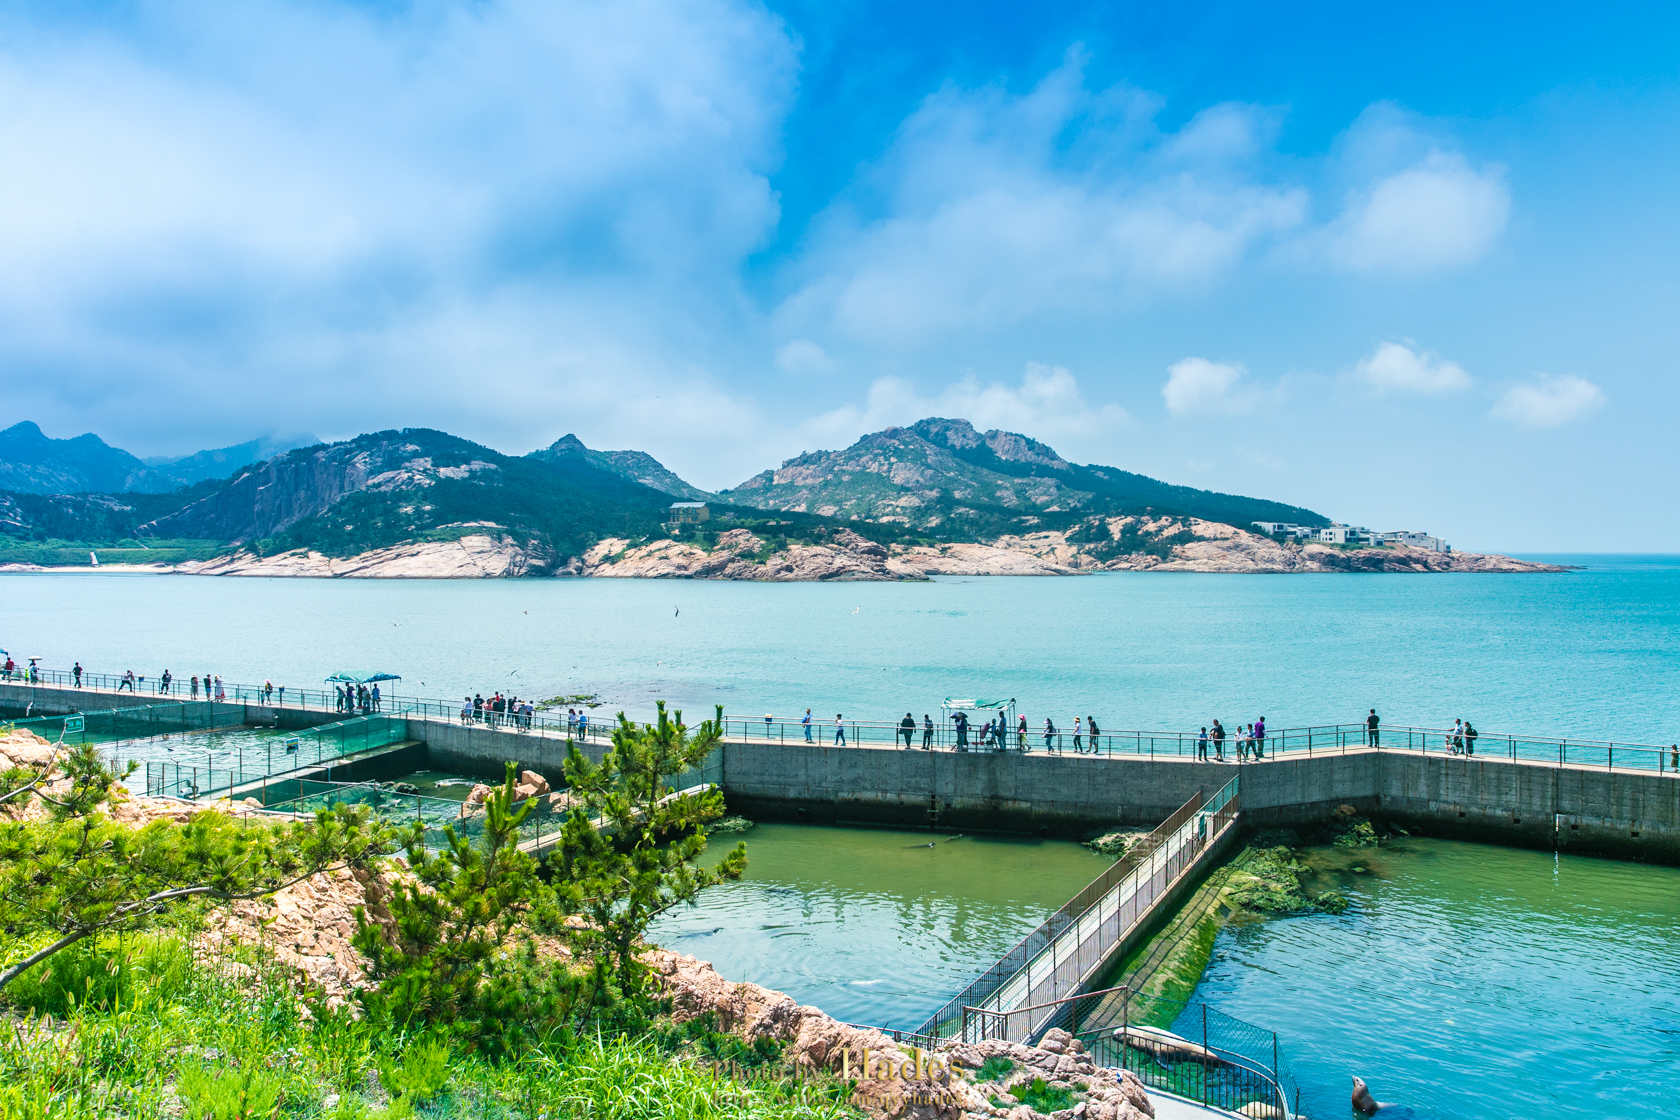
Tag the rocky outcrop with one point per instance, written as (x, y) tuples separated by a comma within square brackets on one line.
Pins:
[(814, 1041), (475, 556), (740, 555), (1206, 546)]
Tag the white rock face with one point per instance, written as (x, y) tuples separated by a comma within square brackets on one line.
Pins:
[(1197, 546), (478, 556)]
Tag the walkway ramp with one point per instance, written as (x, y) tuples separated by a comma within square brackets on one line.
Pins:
[(1069, 953)]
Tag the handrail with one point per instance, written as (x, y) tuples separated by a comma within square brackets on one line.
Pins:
[(1312, 740)]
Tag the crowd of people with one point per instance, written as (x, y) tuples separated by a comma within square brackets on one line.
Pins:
[(1249, 741), (498, 711), (353, 697)]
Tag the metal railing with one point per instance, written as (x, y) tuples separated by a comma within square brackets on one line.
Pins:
[(1146, 855), (278, 755), (1074, 958), (436, 813), (1190, 1049), (143, 721), (1275, 743)]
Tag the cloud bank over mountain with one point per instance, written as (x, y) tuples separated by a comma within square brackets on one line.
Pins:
[(655, 222)]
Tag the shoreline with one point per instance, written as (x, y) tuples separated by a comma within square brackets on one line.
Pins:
[(740, 556)]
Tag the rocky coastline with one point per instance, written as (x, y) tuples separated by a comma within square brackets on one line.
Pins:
[(1178, 545)]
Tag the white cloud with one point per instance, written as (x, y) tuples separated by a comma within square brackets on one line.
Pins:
[(1199, 387), (802, 356), (1438, 213), (984, 213), (225, 199), (1549, 400), (1396, 368), (1047, 405)]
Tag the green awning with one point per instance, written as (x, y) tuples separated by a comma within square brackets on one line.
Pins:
[(958, 702), (362, 677)]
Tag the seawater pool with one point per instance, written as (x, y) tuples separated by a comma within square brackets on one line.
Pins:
[(874, 926), (1470, 982), (1465, 982)]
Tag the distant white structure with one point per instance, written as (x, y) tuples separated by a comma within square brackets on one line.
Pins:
[(1337, 533)]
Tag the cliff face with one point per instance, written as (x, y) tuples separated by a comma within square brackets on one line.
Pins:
[(270, 497)]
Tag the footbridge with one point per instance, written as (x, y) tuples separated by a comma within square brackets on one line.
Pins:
[(1077, 945)]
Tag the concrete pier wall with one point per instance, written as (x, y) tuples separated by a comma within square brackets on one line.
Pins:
[(1623, 813)]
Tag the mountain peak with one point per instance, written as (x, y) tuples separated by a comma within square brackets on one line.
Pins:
[(1011, 447), (567, 444)]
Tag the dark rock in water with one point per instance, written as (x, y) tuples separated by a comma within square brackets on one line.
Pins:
[(405, 787)]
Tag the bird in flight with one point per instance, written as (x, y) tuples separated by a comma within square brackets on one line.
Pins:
[(679, 611), (856, 609)]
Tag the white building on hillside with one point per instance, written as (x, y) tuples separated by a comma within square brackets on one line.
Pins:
[(1337, 533), (1416, 540)]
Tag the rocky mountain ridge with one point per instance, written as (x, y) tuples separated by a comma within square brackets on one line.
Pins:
[(943, 473)]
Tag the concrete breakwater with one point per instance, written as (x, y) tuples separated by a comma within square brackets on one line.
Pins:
[(1625, 813)]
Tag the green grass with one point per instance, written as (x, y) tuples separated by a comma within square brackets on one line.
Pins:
[(60, 553), (136, 1027)]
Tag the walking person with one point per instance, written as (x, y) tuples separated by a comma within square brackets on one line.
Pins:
[(1021, 735), (1201, 746), (466, 710), (839, 729), (77, 672), (221, 692), (1094, 731), (1470, 734), (1371, 722), (927, 732), (806, 724), (1219, 740), (1078, 742), (961, 720), (1049, 733), (1458, 736), (163, 683), (1260, 738), (268, 690), (195, 686), (376, 697), (907, 728)]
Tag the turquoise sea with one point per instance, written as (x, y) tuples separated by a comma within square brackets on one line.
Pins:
[(1465, 981), (1589, 653)]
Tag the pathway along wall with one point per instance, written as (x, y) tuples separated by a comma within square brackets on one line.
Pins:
[(1628, 814)]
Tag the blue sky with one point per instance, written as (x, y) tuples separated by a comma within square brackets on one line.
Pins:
[(1414, 268)]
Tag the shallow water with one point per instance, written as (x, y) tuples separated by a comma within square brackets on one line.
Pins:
[(1568, 654), (1472, 982), (874, 926)]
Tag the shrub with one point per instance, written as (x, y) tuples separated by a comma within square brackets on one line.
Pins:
[(1044, 1098)]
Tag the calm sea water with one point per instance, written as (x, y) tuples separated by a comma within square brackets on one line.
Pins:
[(875, 926), (1581, 654), (1469, 982)]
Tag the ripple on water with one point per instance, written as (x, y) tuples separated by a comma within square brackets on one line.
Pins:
[(1472, 982), (872, 925)]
